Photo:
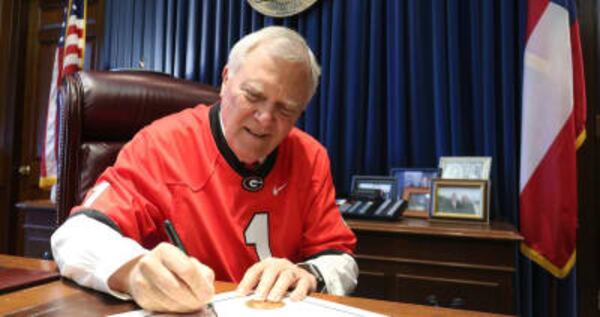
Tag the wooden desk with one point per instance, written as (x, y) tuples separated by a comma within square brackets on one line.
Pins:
[(64, 298), (458, 265)]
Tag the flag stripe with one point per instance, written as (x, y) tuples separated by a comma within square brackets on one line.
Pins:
[(534, 13), (68, 59), (579, 96), (547, 107), (549, 196)]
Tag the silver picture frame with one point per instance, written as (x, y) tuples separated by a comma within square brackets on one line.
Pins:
[(465, 167)]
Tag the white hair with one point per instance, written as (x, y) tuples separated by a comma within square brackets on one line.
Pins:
[(283, 43)]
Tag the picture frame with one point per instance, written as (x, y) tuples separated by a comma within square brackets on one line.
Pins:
[(386, 184), (418, 200), (460, 199), (413, 177), (465, 167)]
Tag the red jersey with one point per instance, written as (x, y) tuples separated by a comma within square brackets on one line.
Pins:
[(228, 217)]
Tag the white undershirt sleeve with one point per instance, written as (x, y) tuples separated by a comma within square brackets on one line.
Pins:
[(339, 271), (89, 252)]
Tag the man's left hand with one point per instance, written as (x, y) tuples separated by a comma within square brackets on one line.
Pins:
[(273, 277)]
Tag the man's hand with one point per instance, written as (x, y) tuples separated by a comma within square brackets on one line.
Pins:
[(274, 277), (166, 280)]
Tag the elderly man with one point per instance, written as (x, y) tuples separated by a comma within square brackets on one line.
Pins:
[(251, 195)]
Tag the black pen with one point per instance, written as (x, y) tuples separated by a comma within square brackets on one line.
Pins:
[(174, 236), (177, 242)]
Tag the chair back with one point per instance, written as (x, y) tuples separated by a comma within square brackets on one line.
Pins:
[(103, 111)]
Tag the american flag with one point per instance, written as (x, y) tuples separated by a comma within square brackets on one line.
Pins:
[(68, 59)]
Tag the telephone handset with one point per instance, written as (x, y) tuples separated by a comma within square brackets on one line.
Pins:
[(371, 204)]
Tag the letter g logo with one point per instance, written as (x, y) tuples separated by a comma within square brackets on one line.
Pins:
[(252, 183)]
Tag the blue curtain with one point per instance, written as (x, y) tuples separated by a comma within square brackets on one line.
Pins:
[(403, 83)]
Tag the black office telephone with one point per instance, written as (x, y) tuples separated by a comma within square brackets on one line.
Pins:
[(371, 204)]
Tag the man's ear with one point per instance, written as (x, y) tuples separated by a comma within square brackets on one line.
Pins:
[(224, 79)]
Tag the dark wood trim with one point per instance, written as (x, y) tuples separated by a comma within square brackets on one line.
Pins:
[(495, 231), (598, 126), (14, 32), (52, 4), (407, 260), (7, 26), (99, 31), (588, 235)]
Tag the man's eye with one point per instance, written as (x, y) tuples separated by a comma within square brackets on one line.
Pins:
[(251, 97), (286, 112)]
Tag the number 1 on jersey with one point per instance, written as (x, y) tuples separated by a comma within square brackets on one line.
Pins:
[(257, 233)]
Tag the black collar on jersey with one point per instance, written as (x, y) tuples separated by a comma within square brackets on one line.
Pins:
[(252, 179)]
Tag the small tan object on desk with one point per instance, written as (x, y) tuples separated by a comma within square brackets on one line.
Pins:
[(259, 304)]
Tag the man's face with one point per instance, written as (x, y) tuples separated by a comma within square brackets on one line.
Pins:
[(261, 102)]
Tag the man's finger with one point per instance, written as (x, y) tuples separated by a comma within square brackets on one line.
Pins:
[(166, 287), (188, 272), (250, 279), (267, 279), (153, 271), (148, 295), (302, 289), (175, 260), (286, 279), (184, 302), (207, 276)]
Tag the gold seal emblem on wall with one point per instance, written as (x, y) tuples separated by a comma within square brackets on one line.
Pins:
[(280, 8)]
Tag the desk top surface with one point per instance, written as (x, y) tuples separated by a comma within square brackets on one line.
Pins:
[(64, 298), (493, 231)]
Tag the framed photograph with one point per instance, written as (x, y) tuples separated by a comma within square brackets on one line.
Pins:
[(387, 185), (466, 167), (460, 199), (419, 201), (413, 177)]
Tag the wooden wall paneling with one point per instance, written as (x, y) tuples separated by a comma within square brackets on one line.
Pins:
[(588, 235), (598, 126), (95, 32), (39, 55), (6, 18), (28, 184), (13, 24)]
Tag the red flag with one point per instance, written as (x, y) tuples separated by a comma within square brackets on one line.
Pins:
[(68, 59), (553, 127)]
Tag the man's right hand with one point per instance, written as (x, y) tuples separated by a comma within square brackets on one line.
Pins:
[(165, 280)]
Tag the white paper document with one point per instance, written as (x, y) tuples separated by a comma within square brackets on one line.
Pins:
[(231, 304)]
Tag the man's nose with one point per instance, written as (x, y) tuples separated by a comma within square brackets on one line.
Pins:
[(264, 115)]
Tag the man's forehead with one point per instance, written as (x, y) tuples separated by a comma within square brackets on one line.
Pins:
[(258, 87), (254, 84)]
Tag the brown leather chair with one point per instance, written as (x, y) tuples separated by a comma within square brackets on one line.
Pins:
[(104, 110)]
